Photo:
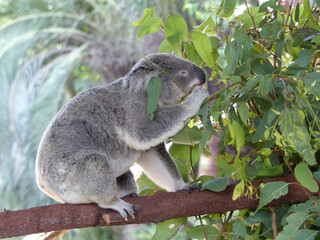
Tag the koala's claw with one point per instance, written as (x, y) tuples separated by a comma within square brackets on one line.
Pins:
[(123, 208), (132, 195), (192, 187)]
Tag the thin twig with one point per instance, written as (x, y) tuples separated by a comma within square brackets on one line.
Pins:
[(194, 176), (315, 59), (274, 222), (212, 96), (224, 224), (203, 229), (254, 25)]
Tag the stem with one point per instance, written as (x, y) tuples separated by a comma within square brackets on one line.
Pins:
[(203, 229), (255, 28), (192, 167), (274, 222), (221, 90), (255, 107), (315, 59), (224, 224), (288, 13)]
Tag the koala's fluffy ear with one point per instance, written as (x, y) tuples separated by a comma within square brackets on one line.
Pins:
[(141, 73)]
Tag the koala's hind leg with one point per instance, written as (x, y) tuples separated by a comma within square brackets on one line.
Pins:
[(161, 168), (92, 180), (126, 185)]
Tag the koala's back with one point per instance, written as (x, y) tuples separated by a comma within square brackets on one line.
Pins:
[(84, 126)]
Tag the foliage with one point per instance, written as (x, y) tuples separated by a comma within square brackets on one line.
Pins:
[(266, 62)]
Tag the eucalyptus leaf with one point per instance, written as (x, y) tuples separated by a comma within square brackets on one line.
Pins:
[(165, 47), (297, 12), (268, 172), (168, 230), (197, 232), (243, 111), (270, 191), (203, 46), (305, 177), (216, 185), (304, 57), (150, 25), (153, 91), (147, 13), (228, 7), (175, 29), (239, 228)]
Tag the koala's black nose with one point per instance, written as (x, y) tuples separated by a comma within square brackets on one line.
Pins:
[(200, 74)]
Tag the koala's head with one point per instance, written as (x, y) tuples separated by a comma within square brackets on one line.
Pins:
[(186, 76)]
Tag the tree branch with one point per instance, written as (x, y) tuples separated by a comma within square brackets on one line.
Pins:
[(157, 208)]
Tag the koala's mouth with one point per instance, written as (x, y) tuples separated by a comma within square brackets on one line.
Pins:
[(198, 86)]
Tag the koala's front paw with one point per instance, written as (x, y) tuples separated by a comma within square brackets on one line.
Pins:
[(192, 187), (195, 100), (198, 96)]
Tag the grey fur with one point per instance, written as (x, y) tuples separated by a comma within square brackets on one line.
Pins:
[(87, 150)]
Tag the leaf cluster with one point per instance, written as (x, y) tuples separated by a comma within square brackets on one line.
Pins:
[(266, 62)]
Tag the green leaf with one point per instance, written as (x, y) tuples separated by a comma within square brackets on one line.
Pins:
[(205, 118), (229, 165), (207, 26), (197, 232), (216, 185), (271, 191), (168, 230), (238, 191), (298, 40), (304, 57), (147, 182), (247, 19), (295, 220), (297, 12), (228, 7), (239, 228), (264, 6), (151, 25), (175, 24), (165, 47), (153, 91), (239, 136), (188, 136), (243, 111), (271, 172), (268, 119), (175, 29), (262, 67), (305, 234), (307, 12), (203, 46), (316, 39), (147, 13), (181, 153), (317, 175), (305, 177), (214, 41), (190, 51)]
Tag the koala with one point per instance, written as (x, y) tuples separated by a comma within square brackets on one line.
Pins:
[(88, 148)]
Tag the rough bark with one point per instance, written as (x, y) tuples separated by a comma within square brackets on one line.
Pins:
[(150, 209)]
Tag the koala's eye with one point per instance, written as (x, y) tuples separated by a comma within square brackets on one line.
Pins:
[(183, 73)]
